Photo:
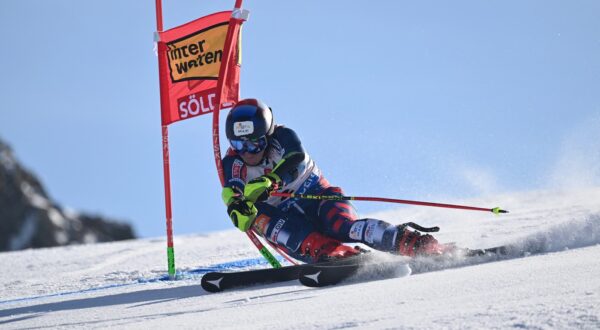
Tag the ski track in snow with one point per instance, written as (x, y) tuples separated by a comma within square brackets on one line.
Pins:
[(123, 284)]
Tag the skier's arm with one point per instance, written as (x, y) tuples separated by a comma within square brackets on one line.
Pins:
[(241, 211), (234, 184), (287, 169), (258, 189)]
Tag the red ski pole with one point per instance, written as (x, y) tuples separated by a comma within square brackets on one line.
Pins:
[(495, 210)]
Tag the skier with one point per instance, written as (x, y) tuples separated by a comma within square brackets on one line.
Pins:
[(264, 156)]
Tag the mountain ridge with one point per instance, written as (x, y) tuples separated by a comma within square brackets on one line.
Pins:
[(30, 218)]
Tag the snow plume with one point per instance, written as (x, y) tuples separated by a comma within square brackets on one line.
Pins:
[(568, 235), (480, 180), (578, 163), (382, 266), (577, 233)]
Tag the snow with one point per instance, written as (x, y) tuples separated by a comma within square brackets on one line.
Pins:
[(121, 284)]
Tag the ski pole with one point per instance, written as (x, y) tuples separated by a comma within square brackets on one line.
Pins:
[(495, 210)]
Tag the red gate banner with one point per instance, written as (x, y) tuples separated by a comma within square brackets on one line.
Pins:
[(190, 57)]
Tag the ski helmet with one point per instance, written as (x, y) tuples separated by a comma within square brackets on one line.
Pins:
[(249, 119)]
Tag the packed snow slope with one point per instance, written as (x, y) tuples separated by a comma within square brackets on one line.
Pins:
[(555, 285)]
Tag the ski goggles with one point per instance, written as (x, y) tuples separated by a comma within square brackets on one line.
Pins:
[(252, 146)]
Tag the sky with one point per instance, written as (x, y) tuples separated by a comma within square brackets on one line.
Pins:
[(428, 100)]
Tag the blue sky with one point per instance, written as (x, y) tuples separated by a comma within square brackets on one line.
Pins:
[(415, 100)]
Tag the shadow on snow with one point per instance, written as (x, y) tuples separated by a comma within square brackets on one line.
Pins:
[(142, 298)]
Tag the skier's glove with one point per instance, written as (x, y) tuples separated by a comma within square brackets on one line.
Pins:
[(258, 190), (229, 195), (242, 213)]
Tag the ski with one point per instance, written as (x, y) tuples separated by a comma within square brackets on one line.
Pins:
[(317, 275), (320, 275), (329, 272), (220, 281)]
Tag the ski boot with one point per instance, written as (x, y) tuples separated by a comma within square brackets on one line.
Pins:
[(319, 248), (412, 243)]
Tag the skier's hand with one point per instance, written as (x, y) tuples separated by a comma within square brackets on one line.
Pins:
[(242, 213), (229, 195), (258, 189)]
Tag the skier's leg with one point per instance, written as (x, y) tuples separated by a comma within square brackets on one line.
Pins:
[(339, 221), (383, 236), (334, 217), (296, 235)]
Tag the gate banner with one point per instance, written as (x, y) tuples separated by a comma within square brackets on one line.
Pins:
[(190, 58)]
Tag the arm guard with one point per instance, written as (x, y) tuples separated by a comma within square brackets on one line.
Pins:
[(287, 168)]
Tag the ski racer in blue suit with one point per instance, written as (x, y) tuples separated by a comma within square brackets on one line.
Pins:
[(264, 156)]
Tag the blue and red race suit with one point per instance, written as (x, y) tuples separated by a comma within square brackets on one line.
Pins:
[(286, 222)]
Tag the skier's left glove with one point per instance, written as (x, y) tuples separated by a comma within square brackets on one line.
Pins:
[(258, 190), (242, 213)]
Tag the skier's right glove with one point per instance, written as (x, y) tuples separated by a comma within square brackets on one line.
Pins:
[(242, 213), (258, 190)]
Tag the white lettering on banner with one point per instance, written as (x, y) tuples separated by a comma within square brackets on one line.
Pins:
[(195, 105)]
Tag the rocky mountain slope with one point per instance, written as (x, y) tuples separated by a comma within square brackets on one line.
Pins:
[(30, 219)]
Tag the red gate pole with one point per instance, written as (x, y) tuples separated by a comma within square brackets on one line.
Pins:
[(216, 142), (165, 149)]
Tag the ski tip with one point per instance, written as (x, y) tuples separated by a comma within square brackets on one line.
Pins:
[(311, 280), (497, 210), (212, 282)]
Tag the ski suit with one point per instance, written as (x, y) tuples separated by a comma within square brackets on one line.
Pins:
[(287, 222)]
